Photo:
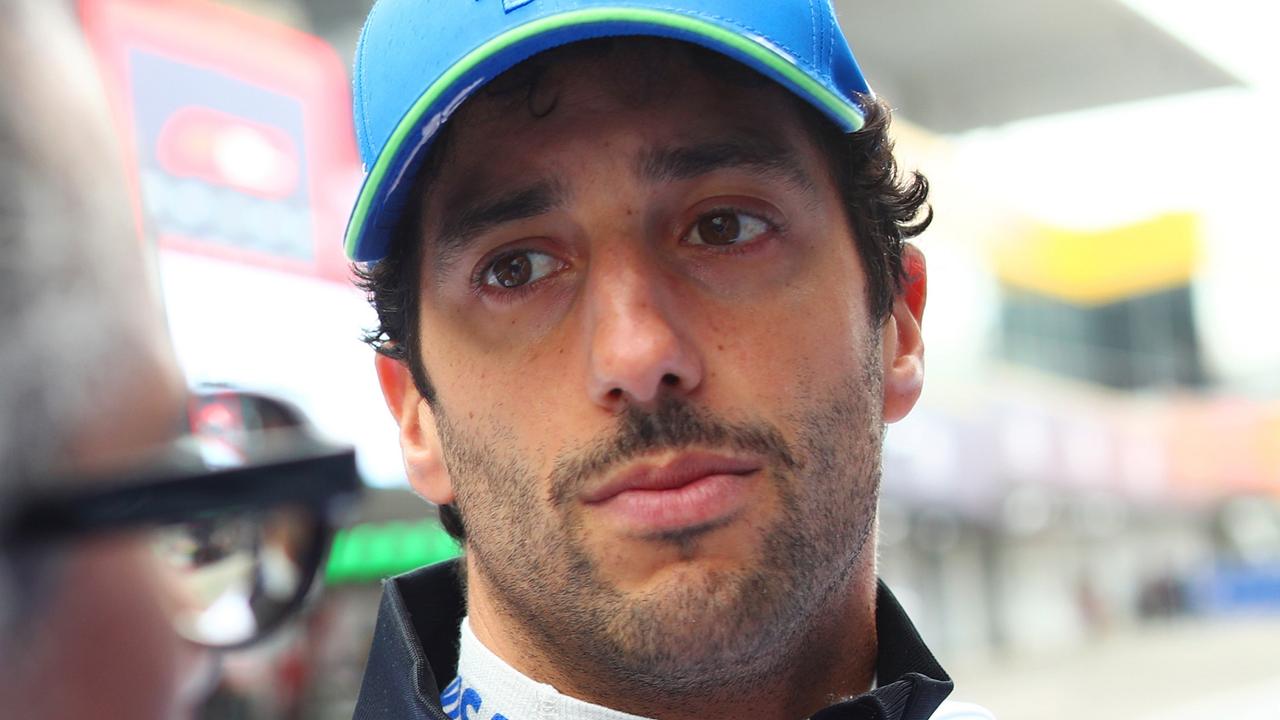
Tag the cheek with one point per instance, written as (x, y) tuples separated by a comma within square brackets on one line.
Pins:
[(507, 400), (112, 637), (478, 360), (788, 345), (527, 388)]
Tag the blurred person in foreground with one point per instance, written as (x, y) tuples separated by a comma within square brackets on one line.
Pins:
[(120, 556), (86, 379), (646, 308)]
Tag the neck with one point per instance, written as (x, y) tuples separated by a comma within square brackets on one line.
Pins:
[(833, 660)]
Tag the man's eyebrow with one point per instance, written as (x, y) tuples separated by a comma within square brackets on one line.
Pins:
[(754, 154), (465, 221)]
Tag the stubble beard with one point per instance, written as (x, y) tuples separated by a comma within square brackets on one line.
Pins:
[(711, 633)]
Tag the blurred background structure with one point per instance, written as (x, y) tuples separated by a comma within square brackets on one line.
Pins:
[(1083, 515)]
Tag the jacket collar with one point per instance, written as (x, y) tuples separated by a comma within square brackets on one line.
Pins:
[(415, 653)]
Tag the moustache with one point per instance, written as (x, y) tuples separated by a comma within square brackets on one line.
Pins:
[(675, 424)]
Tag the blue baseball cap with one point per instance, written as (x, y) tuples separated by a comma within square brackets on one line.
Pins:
[(419, 60)]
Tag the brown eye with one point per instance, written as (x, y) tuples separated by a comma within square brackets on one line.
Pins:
[(719, 229), (723, 228), (518, 269), (514, 271)]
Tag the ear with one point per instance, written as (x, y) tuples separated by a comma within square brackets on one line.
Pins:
[(902, 342), (419, 439)]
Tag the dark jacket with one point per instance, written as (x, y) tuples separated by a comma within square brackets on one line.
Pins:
[(415, 653)]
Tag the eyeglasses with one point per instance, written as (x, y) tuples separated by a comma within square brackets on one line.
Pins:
[(239, 513)]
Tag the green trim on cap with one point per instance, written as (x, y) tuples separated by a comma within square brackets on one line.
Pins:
[(767, 56)]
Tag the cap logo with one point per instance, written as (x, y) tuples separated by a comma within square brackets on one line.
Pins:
[(509, 5)]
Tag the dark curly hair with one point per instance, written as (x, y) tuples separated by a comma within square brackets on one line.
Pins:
[(884, 207)]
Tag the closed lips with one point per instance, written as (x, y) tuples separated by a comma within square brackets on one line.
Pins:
[(678, 473)]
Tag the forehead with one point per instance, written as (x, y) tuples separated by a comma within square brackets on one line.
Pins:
[(636, 94)]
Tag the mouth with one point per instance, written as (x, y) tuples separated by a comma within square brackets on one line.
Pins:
[(692, 490)]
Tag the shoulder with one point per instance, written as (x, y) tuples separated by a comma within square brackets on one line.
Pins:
[(952, 710)]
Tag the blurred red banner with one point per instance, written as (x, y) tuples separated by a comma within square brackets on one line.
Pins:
[(237, 131)]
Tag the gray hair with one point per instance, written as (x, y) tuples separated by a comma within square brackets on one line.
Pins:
[(78, 313)]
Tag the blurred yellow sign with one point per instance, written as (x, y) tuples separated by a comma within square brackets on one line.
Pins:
[(1100, 267)]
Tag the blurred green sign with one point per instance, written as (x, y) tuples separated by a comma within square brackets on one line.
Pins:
[(373, 551)]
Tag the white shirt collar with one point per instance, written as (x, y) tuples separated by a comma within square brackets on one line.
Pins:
[(487, 688)]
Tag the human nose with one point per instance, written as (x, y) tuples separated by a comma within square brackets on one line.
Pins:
[(639, 346)]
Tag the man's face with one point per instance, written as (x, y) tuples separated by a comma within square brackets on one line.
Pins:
[(659, 384)]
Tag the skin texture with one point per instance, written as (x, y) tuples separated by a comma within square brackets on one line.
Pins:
[(634, 344)]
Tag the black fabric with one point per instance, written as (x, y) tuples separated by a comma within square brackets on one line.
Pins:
[(402, 680), (415, 653)]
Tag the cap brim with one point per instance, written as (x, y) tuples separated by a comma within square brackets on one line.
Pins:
[(387, 183)]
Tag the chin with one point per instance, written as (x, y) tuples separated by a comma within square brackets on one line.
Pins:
[(700, 624)]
